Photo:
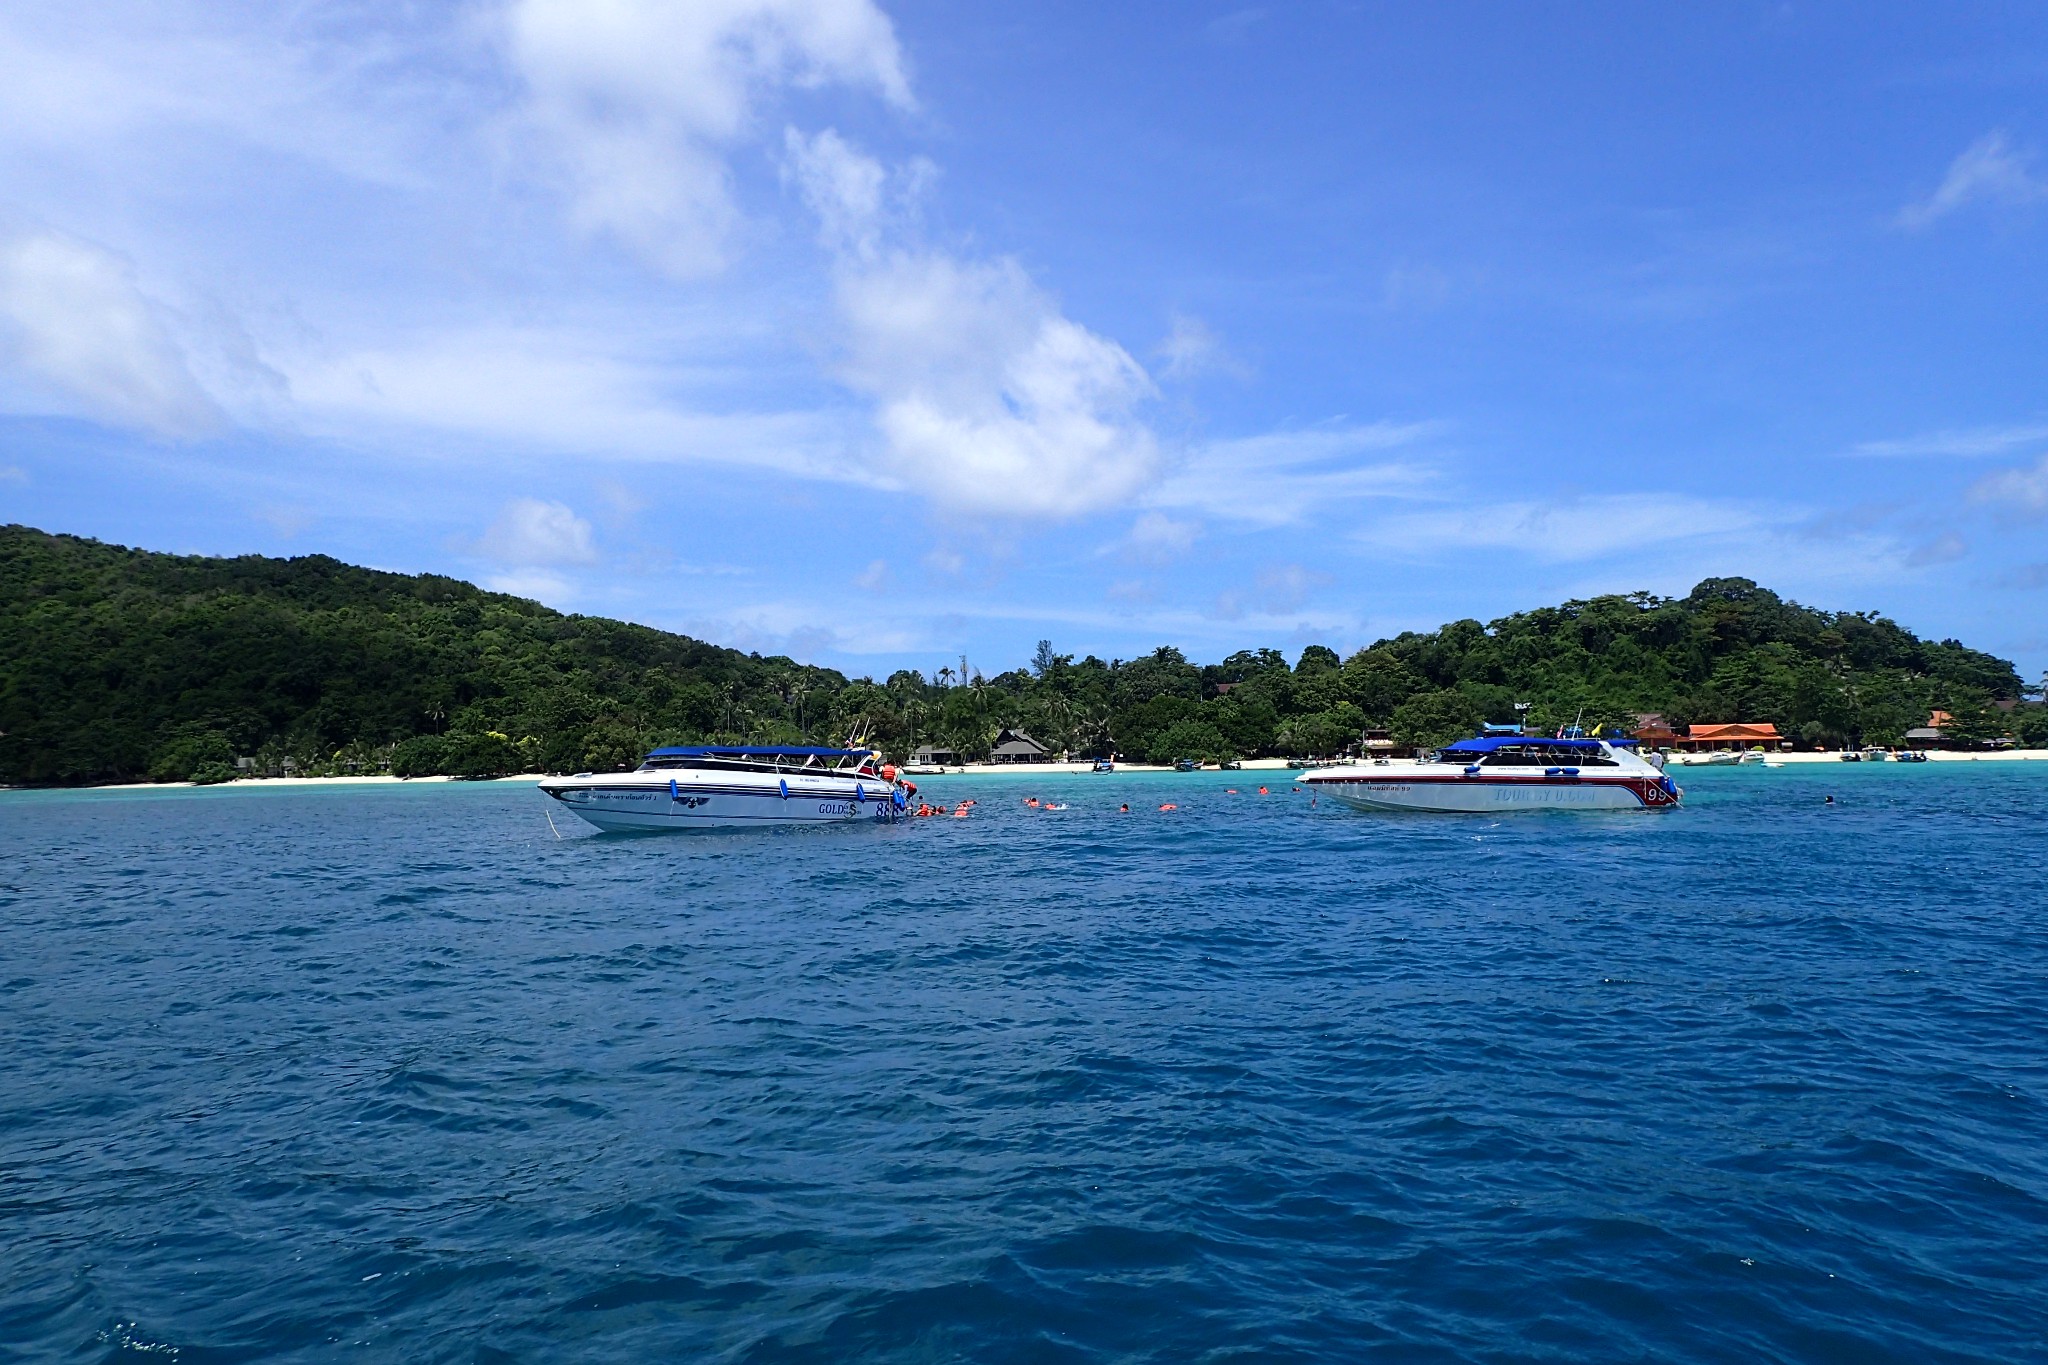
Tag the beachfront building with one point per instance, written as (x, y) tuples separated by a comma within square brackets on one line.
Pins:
[(1653, 731), (1014, 746), (1738, 735), (932, 756)]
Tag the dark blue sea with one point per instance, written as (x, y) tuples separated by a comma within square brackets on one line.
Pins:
[(395, 1074)]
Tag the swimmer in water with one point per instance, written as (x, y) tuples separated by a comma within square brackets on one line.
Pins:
[(1830, 801), (1124, 809)]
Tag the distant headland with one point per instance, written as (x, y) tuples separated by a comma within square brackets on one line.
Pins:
[(120, 665)]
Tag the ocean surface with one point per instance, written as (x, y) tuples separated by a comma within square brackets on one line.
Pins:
[(396, 1074)]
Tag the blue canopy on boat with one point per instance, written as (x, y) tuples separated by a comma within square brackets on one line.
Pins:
[(753, 750), (1486, 744)]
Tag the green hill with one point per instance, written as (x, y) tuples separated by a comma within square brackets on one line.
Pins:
[(120, 664)]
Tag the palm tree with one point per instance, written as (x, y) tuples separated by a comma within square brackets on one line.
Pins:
[(734, 690), (913, 711), (798, 690), (1060, 717), (986, 736), (945, 677)]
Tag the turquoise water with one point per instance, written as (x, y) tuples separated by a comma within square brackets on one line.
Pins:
[(393, 1073)]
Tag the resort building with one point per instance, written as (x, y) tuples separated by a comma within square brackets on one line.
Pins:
[(1738, 735), (932, 756), (1014, 746), (1653, 731)]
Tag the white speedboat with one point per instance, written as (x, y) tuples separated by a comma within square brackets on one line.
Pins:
[(1507, 772), (712, 786)]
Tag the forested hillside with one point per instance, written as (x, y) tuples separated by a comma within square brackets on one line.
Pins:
[(123, 664)]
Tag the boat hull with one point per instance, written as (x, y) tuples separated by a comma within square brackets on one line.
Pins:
[(623, 806), (1457, 794)]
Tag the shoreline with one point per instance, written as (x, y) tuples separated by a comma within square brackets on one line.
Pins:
[(1083, 768)]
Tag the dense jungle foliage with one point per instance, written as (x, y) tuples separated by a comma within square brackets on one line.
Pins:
[(119, 664)]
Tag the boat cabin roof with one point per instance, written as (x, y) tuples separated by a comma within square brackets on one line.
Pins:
[(755, 751), (1486, 744)]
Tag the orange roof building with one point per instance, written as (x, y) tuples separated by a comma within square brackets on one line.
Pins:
[(1737, 735)]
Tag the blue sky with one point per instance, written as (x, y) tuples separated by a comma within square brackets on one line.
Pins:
[(879, 333)]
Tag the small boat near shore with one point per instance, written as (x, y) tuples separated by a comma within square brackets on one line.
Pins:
[(708, 786), (1493, 773)]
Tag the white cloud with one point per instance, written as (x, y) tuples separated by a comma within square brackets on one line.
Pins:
[(2024, 491), (73, 316), (1969, 441), (1281, 478), (530, 533), (1990, 170), (988, 398), (642, 99)]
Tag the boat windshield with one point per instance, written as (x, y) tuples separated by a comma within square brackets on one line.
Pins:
[(776, 758), (1545, 756)]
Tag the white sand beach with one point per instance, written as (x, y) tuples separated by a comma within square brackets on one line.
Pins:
[(1251, 765)]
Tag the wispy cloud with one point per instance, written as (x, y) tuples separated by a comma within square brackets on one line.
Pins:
[(2023, 492), (640, 101), (1156, 538), (2026, 577), (1192, 349), (1560, 531), (541, 585), (1281, 478), (1963, 441), (1945, 548), (529, 533), (572, 389), (1226, 29), (1990, 170), (1274, 591)]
